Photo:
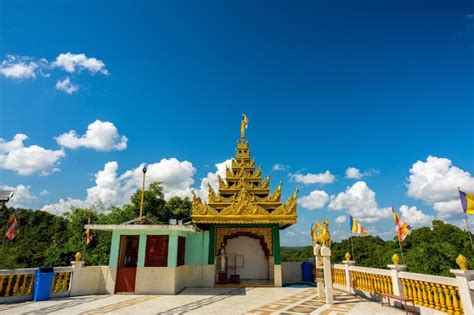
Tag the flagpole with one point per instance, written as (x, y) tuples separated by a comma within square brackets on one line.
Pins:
[(467, 223), (468, 230), (401, 252), (352, 247)]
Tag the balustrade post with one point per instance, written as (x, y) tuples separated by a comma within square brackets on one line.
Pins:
[(326, 254), (397, 285), (347, 266), (76, 274), (463, 278)]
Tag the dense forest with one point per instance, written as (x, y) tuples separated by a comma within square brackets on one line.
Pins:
[(50, 240), (427, 250)]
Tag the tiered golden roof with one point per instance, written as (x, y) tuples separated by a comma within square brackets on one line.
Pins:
[(243, 196)]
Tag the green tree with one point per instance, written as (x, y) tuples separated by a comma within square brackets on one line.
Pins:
[(153, 203), (178, 208)]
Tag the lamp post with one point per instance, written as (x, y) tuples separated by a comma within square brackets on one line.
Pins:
[(143, 195)]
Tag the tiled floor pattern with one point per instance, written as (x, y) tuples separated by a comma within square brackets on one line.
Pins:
[(9, 307), (120, 305), (307, 302), (69, 304), (203, 302), (208, 301)]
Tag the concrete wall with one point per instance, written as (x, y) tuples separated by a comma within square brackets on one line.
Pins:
[(277, 281), (149, 280), (155, 280), (291, 272), (195, 276), (90, 280)]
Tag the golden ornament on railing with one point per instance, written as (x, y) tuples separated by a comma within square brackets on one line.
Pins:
[(78, 256), (462, 262), (347, 256), (395, 259)]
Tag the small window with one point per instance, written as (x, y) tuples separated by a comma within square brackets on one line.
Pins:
[(156, 251), (181, 250)]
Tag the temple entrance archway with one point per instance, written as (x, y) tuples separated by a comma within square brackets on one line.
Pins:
[(247, 258)]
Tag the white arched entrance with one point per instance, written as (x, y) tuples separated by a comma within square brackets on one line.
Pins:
[(247, 258)]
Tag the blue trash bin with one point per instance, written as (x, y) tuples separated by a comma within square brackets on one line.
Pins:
[(307, 271), (43, 280)]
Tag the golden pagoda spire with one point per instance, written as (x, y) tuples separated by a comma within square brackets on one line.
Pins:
[(242, 196)]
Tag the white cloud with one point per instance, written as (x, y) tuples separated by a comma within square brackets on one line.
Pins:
[(211, 179), (175, 176), (341, 219), (77, 62), (28, 160), (280, 167), (44, 192), (322, 178), (110, 188), (436, 181), (19, 68), (415, 217), (100, 135), (352, 172), (24, 67), (317, 199), (22, 196), (355, 173), (107, 186), (360, 201), (64, 205), (66, 86)]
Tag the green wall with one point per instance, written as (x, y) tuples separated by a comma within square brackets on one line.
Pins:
[(199, 245), (196, 252), (197, 248)]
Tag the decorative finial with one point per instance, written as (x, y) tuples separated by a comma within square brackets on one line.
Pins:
[(395, 259), (78, 256), (243, 126), (347, 256), (462, 262)]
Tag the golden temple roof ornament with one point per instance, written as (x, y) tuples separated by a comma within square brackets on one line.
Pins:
[(320, 234), (462, 262), (242, 196), (243, 125), (395, 259), (347, 256)]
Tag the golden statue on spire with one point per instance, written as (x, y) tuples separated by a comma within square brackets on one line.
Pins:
[(243, 126)]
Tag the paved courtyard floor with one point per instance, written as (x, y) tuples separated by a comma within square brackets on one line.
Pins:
[(206, 301)]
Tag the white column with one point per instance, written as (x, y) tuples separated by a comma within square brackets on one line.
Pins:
[(76, 275), (326, 254), (396, 281), (464, 278), (318, 263), (347, 265)]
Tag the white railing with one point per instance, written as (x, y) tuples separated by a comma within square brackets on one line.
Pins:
[(18, 284)]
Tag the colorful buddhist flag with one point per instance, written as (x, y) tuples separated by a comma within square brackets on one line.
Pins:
[(467, 202), (88, 233), (12, 227), (356, 227), (403, 230)]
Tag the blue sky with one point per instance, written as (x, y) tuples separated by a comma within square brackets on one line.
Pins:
[(374, 85)]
